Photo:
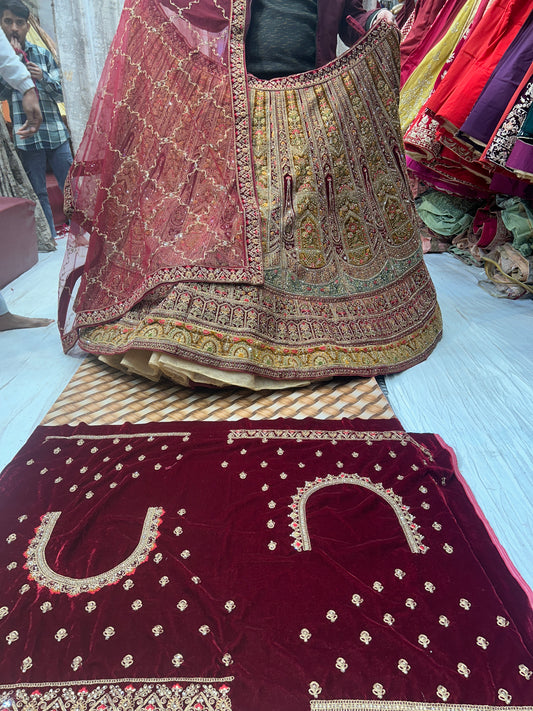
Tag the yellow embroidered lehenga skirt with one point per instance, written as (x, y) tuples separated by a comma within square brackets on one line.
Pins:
[(346, 290)]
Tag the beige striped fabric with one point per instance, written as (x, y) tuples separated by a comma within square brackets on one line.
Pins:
[(98, 394)]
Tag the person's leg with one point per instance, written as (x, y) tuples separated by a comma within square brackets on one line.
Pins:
[(60, 160), (34, 163), (9, 321)]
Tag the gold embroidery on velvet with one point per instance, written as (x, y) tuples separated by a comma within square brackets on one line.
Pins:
[(40, 571), (150, 435), (298, 509), (404, 438)]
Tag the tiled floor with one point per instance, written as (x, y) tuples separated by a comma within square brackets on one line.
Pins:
[(476, 389)]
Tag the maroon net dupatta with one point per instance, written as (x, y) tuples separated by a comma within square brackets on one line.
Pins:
[(162, 181)]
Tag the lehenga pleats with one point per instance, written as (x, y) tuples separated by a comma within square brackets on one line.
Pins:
[(345, 288)]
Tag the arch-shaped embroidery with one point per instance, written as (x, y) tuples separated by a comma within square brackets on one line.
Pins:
[(40, 571), (298, 518)]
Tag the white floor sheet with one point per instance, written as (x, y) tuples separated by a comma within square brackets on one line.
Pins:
[(475, 390)]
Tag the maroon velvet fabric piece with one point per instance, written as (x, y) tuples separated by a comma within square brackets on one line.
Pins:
[(286, 562)]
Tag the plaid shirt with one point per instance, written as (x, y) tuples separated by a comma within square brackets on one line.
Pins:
[(52, 132)]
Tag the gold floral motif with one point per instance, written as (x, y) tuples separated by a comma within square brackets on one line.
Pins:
[(43, 471), (90, 606), (404, 666), (127, 661), (379, 690), (425, 505), (11, 538), (230, 606), (341, 664), (305, 635), (463, 670), (448, 548), (182, 512), (465, 604), (30, 462), (271, 504), (424, 640), (340, 465), (224, 465), (196, 580), (265, 487), (443, 693), (4, 611), (378, 587), (315, 689), (482, 642), (97, 477), (504, 695), (422, 489), (12, 637), (444, 621), (61, 634), (128, 584), (283, 475), (59, 479), (22, 518), (243, 475), (76, 663), (332, 616), (46, 577), (429, 587), (271, 524), (108, 632), (135, 475), (377, 467), (502, 622), (157, 630), (89, 495), (158, 557), (12, 566), (24, 589), (182, 605), (136, 605), (177, 660), (73, 488), (204, 629), (178, 531), (525, 671), (272, 545), (365, 637), (26, 664), (164, 580), (410, 603), (400, 574), (437, 526), (357, 600), (227, 660), (388, 618)]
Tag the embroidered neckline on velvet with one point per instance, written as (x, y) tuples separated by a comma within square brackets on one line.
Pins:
[(299, 520), (44, 576)]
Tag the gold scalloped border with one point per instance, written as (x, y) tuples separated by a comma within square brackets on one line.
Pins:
[(299, 520), (44, 576)]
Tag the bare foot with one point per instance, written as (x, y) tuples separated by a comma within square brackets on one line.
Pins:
[(11, 321)]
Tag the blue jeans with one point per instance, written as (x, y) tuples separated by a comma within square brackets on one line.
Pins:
[(34, 163)]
